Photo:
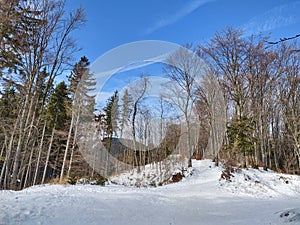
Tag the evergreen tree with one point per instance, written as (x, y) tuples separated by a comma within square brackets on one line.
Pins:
[(58, 107), (8, 103), (111, 115), (240, 136), (13, 18), (79, 70)]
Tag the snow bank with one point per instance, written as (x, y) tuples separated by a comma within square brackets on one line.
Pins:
[(261, 183), (250, 182)]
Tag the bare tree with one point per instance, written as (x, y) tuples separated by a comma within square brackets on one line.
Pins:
[(184, 69), (137, 93), (289, 87), (212, 99)]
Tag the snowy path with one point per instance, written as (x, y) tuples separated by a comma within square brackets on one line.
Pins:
[(199, 200)]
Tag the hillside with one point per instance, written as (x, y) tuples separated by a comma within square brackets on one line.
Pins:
[(252, 197)]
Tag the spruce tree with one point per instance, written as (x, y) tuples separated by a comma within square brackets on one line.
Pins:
[(58, 106), (79, 70), (240, 138), (111, 115), (8, 103)]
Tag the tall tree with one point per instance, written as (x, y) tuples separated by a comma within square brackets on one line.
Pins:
[(57, 116), (211, 109), (289, 87), (81, 85), (111, 115), (234, 59), (184, 69), (58, 106), (137, 94), (125, 111)]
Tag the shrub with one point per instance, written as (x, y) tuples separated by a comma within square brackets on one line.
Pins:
[(99, 180), (72, 180)]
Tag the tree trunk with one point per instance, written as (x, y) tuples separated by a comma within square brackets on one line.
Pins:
[(73, 145), (48, 155), (66, 150), (39, 155), (17, 158)]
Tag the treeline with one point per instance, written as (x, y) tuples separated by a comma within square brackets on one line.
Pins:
[(260, 83)]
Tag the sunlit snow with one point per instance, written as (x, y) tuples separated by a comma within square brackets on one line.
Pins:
[(254, 197)]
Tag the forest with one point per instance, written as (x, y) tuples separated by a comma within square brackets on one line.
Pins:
[(45, 95)]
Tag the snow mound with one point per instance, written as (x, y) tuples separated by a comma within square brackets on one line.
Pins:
[(261, 183), (153, 175)]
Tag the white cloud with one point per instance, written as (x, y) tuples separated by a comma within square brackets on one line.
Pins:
[(279, 16), (184, 11)]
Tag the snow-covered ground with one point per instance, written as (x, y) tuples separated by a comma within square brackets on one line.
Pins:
[(254, 197)]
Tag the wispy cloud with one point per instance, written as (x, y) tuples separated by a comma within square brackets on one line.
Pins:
[(188, 8), (279, 16), (101, 98)]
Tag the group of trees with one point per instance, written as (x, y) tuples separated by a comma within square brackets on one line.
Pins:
[(37, 121), (259, 82), (137, 133)]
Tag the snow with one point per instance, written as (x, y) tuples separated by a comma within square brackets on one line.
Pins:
[(149, 175), (253, 197)]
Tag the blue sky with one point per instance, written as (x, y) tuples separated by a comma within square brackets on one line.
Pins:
[(116, 22)]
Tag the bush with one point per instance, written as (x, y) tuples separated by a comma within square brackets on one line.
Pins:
[(72, 180), (99, 180)]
